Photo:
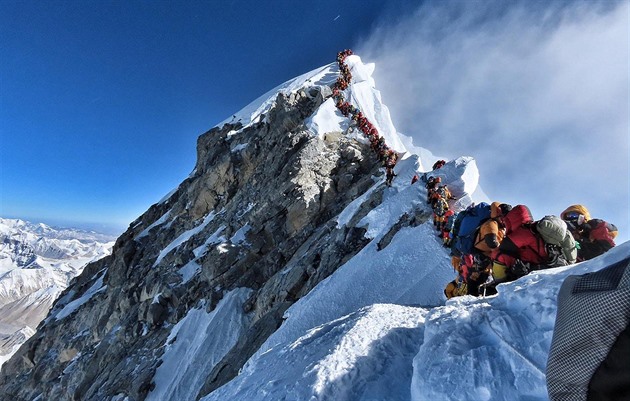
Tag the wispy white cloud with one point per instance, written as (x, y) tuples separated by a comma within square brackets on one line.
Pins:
[(538, 94)]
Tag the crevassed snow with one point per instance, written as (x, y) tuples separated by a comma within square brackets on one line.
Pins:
[(185, 236), (196, 344)]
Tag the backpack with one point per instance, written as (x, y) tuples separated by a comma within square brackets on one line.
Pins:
[(440, 207), (444, 192), (470, 221), (553, 230), (600, 230), (519, 216), (450, 223)]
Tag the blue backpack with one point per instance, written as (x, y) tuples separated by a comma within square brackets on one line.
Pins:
[(472, 218)]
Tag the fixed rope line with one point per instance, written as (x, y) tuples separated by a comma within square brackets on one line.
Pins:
[(386, 155)]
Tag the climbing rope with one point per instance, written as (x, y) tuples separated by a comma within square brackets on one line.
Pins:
[(386, 155)]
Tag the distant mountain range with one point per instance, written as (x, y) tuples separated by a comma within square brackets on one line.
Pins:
[(283, 268), (37, 263)]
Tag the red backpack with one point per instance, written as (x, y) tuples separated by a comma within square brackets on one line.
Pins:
[(601, 230), (516, 217)]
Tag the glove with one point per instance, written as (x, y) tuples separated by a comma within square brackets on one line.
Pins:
[(520, 268)]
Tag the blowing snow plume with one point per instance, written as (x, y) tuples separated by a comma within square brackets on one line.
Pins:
[(537, 92), (283, 267)]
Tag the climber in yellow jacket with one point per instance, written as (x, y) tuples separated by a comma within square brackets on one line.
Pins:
[(492, 231)]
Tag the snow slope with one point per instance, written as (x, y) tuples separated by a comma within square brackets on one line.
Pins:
[(362, 94), (380, 328), (492, 348), (196, 345)]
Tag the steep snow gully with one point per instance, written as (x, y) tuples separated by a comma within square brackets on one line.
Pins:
[(376, 327)]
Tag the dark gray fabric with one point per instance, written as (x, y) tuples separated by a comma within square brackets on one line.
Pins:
[(604, 280), (593, 310), (611, 381)]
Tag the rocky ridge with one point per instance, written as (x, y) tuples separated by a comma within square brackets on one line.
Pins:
[(258, 212)]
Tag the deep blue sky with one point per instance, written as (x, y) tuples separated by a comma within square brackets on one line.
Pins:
[(102, 101)]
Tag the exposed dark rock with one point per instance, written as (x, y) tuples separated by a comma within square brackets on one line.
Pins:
[(258, 211)]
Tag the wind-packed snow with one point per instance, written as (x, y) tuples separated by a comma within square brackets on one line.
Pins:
[(365, 355), (323, 76), (412, 269), (492, 348), (185, 236), (75, 304), (380, 328), (196, 344)]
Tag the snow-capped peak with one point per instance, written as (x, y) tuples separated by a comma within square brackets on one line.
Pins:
[(37, 263)]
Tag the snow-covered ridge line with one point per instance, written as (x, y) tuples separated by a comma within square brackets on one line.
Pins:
[(322, 76), (15, 226)]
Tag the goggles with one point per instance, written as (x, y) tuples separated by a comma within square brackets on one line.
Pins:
[(572, 216)]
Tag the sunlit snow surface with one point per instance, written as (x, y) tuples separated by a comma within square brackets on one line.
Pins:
[(380, 328), (196, 344), (362, 94), (492, 348)]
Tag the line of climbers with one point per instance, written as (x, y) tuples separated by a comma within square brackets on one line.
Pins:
[(438, 197), (386, 155), (496, 243)]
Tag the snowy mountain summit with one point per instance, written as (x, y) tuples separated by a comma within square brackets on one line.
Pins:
[(284, 268)]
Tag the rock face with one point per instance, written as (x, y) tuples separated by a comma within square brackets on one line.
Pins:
[(258, 212)]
